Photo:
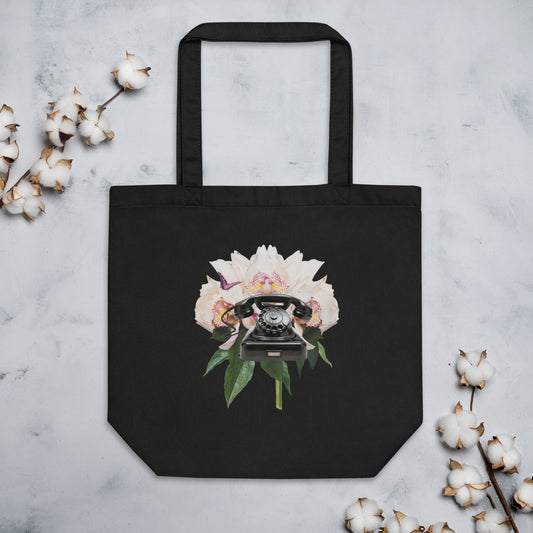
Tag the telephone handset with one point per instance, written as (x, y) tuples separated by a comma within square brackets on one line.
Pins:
[(273, 337)]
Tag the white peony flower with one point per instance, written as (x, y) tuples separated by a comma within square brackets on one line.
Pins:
[(440, 527), (474, 368), (465, 484), (458, 430), (523, 497), (50, 170), (492, 521), (503, 455), (24, 198), (402, 524), (266, 272), (95, 127), (364, 516), (59, 128), (8, 123), (132, 72), (9, 153), (70, 105)]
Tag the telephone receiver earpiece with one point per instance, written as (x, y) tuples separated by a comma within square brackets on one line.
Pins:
[(244, 308)]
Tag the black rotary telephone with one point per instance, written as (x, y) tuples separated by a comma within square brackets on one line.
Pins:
[(273, 337)]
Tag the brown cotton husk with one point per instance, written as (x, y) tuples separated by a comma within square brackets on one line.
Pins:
[(454, 465), (65, 163), (517, 503), (445, 528), (47, 152), (8, 197), (479, 486), (449, 491)]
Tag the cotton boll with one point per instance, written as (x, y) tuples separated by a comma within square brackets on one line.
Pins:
[(70, 104), (523, 497), (132, 72), (95, 127), (402, 524), (465, 484), (502, 453), (492, 521), (51, 170), (440, 527), (24, 198), (59, 128), (8, 123), (458, 430), (9, 153), (364, 516), (33, 206), (474, 369)]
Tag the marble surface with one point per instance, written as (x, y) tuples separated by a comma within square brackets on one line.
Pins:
[(443, 99)]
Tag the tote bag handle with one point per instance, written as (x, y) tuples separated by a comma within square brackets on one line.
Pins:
[(189, 135)]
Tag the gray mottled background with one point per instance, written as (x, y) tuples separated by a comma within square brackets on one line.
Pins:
[(443, 99)]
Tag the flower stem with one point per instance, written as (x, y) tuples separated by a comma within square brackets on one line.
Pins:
[(492, 504), (279, 394), (494, 481), (112, 98)]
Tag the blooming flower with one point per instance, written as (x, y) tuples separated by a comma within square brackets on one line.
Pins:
[(503, 455), (59, 128), (492, 521), (458, 429), (402, 524), (24, 198), (266, 272), (465, 484), (440, 527), (95, 127), (132, 72), (51, 170), (9, 153), (523, 497), (474, 368), (8, 123), (364, 516), (70, 104)]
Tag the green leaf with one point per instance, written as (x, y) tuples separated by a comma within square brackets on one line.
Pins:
[(322, 353), (273, 368), (221, 334), (300, 365), (312, 335), (236, 378), (312, 357), (218, 357), (234, 351), (286, 377)]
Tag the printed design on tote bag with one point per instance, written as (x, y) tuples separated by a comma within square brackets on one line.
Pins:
[(266, 309)]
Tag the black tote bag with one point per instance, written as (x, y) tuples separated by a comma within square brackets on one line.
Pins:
[(336, 265)]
